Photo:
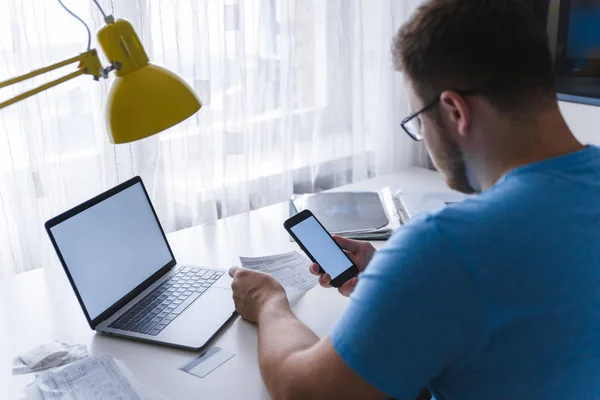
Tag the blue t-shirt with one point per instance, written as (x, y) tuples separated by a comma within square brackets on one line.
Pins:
[(497, 297)]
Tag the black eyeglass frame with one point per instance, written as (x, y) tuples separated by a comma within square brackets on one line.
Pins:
[(428, 107)]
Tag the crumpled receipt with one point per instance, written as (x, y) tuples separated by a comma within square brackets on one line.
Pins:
[(48, 355)]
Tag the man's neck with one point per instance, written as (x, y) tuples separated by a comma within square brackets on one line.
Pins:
[(548, 138)]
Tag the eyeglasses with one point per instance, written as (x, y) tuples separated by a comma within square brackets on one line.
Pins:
[(412, 124)]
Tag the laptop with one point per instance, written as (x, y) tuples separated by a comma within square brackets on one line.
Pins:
[(125, 276)]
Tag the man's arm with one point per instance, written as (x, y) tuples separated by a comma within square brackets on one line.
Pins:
[(295, 364), (415, 314)]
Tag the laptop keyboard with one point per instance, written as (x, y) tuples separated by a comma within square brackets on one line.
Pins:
[(159, 308)]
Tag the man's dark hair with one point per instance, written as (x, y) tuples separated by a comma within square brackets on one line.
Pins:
[(493, 47)]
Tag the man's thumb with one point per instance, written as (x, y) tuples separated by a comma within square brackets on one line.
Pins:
[(347, 244)]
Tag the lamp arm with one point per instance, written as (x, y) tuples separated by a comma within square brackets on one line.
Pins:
[(89, 64)]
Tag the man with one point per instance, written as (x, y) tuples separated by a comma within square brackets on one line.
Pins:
[(497, 297)]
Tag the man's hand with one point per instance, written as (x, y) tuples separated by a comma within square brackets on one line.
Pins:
[(255, 292), (359, 252)]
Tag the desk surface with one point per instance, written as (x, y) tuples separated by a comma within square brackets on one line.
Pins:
[(39, 306)]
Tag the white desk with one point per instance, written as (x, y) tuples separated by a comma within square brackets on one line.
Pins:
[(39, 306)]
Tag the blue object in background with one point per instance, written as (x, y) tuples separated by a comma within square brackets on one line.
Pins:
[(584, 34)]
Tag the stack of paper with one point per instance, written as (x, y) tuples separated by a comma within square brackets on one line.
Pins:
[(394, 217)]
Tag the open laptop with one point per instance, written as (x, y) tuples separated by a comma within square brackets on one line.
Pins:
[(127, 281)]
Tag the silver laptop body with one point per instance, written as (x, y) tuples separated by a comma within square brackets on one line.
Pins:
[(128, 283)]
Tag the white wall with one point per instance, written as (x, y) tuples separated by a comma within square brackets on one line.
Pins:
[(583, 120)]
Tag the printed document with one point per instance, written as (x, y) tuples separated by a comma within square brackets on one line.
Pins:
[(94, 378), (289, 269)]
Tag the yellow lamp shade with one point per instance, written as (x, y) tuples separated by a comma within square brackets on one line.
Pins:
[(147, 101), (144, 98)]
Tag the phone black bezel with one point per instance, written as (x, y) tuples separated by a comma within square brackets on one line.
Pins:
[(304, 215)]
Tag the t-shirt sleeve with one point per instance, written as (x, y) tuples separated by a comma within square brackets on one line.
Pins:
[(413, 314)]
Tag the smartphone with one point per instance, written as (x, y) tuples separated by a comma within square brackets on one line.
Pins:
[(320, 247)]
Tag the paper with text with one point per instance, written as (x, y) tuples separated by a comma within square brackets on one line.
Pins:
[(289, 269), (91, 379)]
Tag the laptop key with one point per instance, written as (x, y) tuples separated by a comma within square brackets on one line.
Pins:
[(155, 332), (131, 323), (146, 329), (186, 303), (138, 327), (207, 274)]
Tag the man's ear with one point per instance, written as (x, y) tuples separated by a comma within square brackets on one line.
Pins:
[(456, 111)]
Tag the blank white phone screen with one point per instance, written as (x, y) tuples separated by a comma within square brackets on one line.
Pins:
[(322, 247), (112, 247)]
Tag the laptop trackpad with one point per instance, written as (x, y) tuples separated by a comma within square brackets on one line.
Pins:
[(199, 322)]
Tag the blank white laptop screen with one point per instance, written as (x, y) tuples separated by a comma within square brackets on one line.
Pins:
[(112, 247)]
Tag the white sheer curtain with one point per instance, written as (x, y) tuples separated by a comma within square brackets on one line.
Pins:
[(299, 96)]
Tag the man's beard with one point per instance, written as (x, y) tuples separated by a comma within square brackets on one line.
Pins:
[(450, 162)]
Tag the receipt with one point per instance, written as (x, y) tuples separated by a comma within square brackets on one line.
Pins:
[(94, 378), (48, 355), (289, 269)]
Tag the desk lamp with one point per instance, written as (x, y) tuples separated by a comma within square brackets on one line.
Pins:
[(144, 99)]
